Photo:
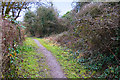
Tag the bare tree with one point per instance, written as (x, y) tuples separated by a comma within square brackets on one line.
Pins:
[(13, 7)]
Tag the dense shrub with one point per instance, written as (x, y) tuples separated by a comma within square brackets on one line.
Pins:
[(96, 37), (99, 37), (44, 22), (12, 35)]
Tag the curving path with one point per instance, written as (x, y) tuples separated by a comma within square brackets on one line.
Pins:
[(54, 66)]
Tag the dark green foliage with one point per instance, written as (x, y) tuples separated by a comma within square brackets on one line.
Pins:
[(65, 15), (30, 19), (44, 22)]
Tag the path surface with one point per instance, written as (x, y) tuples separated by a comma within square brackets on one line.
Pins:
[(54, 66)]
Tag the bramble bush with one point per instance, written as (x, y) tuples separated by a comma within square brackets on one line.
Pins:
[(99, 40), (12, 36), (95, 40)]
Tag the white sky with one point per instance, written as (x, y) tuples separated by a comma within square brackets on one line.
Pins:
[(61, 5)]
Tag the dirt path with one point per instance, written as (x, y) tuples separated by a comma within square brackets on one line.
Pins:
[(55, 68)]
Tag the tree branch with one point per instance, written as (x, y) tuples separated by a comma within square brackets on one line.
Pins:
[(3, 8), (20, 11)]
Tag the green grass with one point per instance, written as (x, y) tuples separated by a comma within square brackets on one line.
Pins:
[(32, 64), (70, 66)]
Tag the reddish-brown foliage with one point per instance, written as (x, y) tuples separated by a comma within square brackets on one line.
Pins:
[(12, 35)]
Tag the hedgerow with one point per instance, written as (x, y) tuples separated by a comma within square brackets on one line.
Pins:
[(95, 39), (12, 37)]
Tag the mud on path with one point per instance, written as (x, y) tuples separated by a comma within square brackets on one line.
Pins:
[(55, 69)]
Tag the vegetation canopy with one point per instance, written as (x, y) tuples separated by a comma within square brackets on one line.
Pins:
[(44, 22)]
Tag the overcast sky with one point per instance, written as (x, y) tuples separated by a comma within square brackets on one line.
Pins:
[(61, 5)]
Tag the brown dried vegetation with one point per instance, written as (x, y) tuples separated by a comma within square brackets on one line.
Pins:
[(12, 35)]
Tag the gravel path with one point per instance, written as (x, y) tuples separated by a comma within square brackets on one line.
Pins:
[(54, 66)]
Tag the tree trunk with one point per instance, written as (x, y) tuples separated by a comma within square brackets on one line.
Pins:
[(0, 46)]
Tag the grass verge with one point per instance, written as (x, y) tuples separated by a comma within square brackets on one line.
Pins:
[(31, 64)]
